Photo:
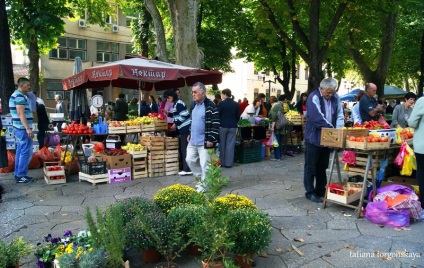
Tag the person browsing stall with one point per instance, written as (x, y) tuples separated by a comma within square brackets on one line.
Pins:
[(229, 114), (324, 111), (204, 131), (368, 105), (402, 112)]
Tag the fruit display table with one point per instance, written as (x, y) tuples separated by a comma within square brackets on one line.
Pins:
[(369, 173)]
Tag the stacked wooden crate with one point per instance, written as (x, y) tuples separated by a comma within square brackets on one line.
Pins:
[(361, 163), (155, 163), (139, 164), (172, 163)]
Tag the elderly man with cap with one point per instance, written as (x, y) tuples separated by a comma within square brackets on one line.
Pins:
[(356, 115)]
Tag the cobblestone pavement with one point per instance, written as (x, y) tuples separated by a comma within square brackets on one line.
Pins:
[(331, 237)]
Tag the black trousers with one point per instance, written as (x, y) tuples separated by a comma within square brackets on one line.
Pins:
[(316, 164), (183, 152), (420, 176)]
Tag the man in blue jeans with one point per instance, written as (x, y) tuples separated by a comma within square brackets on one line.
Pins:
[(22, 127), (324, 110)]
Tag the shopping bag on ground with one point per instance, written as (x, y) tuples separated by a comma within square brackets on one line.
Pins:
[(11, 163), (401, 155), (379, 213), (45, 155), (53, 139), (35, 162)]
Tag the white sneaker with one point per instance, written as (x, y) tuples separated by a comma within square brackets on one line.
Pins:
[(182, 173), (188, 172)]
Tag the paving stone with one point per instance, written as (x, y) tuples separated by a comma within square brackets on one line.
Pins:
[(10, 215), (319, 236), (317, 263), (41, 210), (306, 222), (341, 224)]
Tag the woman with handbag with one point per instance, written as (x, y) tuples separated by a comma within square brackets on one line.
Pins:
[(278, 133)]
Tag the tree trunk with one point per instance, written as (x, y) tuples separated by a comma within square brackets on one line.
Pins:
[(421, 78), (34, 69), (162, 52), (293, 70), (184, 15), (7, 84), (145, 30)]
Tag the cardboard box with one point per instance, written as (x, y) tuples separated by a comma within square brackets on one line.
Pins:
[(409, 182), (118, 161), (333, 137), (6, 120), (119, 175), (344, 197), (10, 144)]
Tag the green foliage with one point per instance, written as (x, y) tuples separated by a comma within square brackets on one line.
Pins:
[(12, 252), (251, 229), (214, 182), (187, 216), (130, 207), (88, 259), (177, 194), (138, 230), (107, 233)]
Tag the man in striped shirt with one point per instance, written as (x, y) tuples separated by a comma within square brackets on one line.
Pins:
[(22, 127), (204, 131)]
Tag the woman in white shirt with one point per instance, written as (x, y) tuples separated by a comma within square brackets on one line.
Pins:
[(252, 108)]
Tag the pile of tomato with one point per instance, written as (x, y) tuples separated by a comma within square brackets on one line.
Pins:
[(369, 138), (77, 129), (372, 125), (54, 168), (156, 115)]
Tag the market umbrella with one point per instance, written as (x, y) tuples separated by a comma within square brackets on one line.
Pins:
[(393, 92), (138, 73), (350, 97), (78, 100)]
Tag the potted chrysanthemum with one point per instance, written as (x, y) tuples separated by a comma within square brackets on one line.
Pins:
[(232, 201), (177, 194), (251, 229)]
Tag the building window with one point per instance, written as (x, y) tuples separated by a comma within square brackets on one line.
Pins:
[(129, 50), (107, 52), (56, 88), (297, 71), (113, 18), (69, 48), (306, 73), (132, 18)]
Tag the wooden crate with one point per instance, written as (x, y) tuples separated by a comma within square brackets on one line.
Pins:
[(139, 172), (295, 119), (332, 137), (172, 168), (156, 169), (161, 125), (153, 143), (117, 130), (365, 145), (139, 162), (93, 179), (49, 175), (346, 198), (156, 125), (134, 129), (138, 154), (171, 143), (171, 156)]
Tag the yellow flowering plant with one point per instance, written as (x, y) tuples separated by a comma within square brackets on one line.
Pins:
[(177, 194), (231, 202)]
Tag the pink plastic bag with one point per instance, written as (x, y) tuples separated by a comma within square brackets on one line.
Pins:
[(401, 155), (349, 157), (270, 142)]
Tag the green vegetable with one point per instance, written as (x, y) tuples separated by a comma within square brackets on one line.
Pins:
[(244, 123)]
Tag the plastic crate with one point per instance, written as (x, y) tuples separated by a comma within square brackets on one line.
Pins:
[(94, 168), (247, 155)]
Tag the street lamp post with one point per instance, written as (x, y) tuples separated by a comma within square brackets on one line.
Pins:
[(269, 83)]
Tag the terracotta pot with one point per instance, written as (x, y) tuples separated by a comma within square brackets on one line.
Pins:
[(213, 264), (194, 250), (150, 255), (167, 265), (244, 261)]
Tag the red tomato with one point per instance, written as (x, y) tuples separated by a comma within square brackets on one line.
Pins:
[(384, 139), (375, 139), (352, 138)]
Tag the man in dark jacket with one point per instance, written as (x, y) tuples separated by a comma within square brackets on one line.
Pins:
[(324, 111), (144, 108), (229, 114), (121, 108), (204, 131)]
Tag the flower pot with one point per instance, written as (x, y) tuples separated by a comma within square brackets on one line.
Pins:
[(167, 265), (213, 264), (150, 255), (193, 250), (244, 261)]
